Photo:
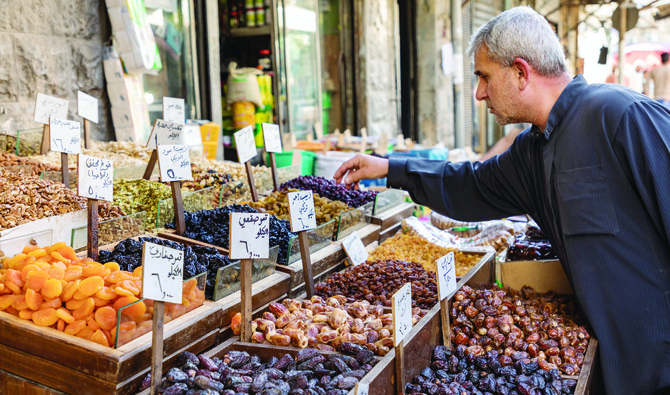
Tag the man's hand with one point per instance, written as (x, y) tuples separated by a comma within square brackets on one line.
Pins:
[(361, 167)]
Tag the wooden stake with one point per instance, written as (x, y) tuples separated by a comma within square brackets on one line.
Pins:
[(399, 368), (444, 314), (306, 263), (157, 348), (150, 166), (178, 207), (87, 134), (273, 166), (93, 229), (46, 140), (64, 169), (252, 186), (245, 291)]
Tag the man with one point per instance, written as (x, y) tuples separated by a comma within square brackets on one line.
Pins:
[(592, 170), (661, 78)]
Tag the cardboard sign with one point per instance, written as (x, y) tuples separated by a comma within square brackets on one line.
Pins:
[(362, 388), (87, 106), (49, 107), (96, 178), (162, 273), (446, 275), (246, 146), (301, 210), (174, 163), (402, 313), (354, 248), (174, 110), (271, 137), (166, 133), (249, 235), (65, 136)]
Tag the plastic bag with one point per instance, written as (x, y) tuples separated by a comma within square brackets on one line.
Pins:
[(243, 85)]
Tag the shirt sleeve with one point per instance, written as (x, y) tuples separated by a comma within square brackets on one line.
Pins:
[(469, 191)]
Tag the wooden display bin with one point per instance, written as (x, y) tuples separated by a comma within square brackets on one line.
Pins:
[(390, 221)]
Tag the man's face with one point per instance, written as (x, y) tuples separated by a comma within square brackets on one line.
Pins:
[(499, 87)]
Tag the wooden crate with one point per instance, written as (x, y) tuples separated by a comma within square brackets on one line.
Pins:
[(390, 221), (543, 276)]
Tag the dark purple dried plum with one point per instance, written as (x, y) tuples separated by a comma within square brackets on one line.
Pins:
[(284, 362), (176, 389), (208, 384), (305, 354), (176, 375)]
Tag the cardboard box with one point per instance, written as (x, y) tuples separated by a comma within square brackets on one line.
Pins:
[(210, 132), (209, 150), (543, 276)]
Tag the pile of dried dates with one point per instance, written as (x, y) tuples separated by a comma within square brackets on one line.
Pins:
[(457, 372), (309, 373), (531, 246), (521, 326)]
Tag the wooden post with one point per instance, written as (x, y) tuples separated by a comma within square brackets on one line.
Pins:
[(64, 169), (444, 314), (93, 229), (151, 165), (46, 140), (273, 166), (252, 186), (87, 134), (178, 207), (157, 348), (306, 263), (245, 291), (399, 368)]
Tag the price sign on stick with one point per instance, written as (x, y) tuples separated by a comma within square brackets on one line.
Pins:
[(162, 275), (174, 110), (301, 210), (246, 150), (249, 235), (174, 163), (402, 313), (354, 248), (65, 136), (87, 106), (96, 178), (446, 275), (49, 107), (271, 137), (166, 133)]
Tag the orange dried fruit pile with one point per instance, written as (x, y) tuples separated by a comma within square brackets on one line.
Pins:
[(52, 287)]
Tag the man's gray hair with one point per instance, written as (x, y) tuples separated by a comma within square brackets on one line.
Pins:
[(521, 32)]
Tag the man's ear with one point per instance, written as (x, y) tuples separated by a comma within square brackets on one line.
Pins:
[(522, 72)]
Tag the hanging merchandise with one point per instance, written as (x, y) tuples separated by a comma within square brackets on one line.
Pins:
[(243, 85)]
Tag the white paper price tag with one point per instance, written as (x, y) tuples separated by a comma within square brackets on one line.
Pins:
[(174, 163), (65, 136), (301, 210), (49, 107), (271, 137), (402, 313), (87, 106), (446, 275), (354, 248), (166, 133), (362, 388), (246, 146), (174, 110), (96, 178), (162, 273), (249, 235)]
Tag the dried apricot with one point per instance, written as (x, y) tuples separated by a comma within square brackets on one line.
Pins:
[(64, 314), (15, 277), (89, 287), (36, 279), (20, 303), (112, 266), (45, 317), (106, 293), (56, 272), (38, 253), (117, 276), (55, 247), (60, 258), (85, 333), (54, 303), (33, 299), (30, 247), (92, 269), (74, 304), (91, 323), (84, 310), (6, 301), (75, 327), (73, 272), (130, 286), (26, 314), (69, 290), (99, 338), (68, 253), (13, 288), (52, 288), (138, 272), (120, 291), (17, 261), (27, 269), (106, 317), (60, 325)]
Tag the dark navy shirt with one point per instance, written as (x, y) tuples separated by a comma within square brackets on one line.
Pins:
[(597, 181)]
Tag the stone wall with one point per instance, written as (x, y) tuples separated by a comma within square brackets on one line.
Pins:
[(52, 47)]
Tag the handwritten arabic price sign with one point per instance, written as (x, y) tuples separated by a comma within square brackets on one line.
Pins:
[(402, 313), (249, 235), (271, 137), (166, 133), (65, 136), (301, 209), (49, 106), (96, 178), (446, 275), (246, 146), (87, 106), (174, 110), (162, 273), (354, 248), (174, 162)]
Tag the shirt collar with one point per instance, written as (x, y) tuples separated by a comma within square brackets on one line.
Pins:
[(561, 107)]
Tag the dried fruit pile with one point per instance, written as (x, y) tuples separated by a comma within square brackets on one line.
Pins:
[(329, 189), (456, 372), (532, 245), (520, 325), (377, 281), (326, 325), (197, 259), (414, 248), (7, 160), (138, 195), (53, 287), (277, 205), (204, 178), (241, 373)]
